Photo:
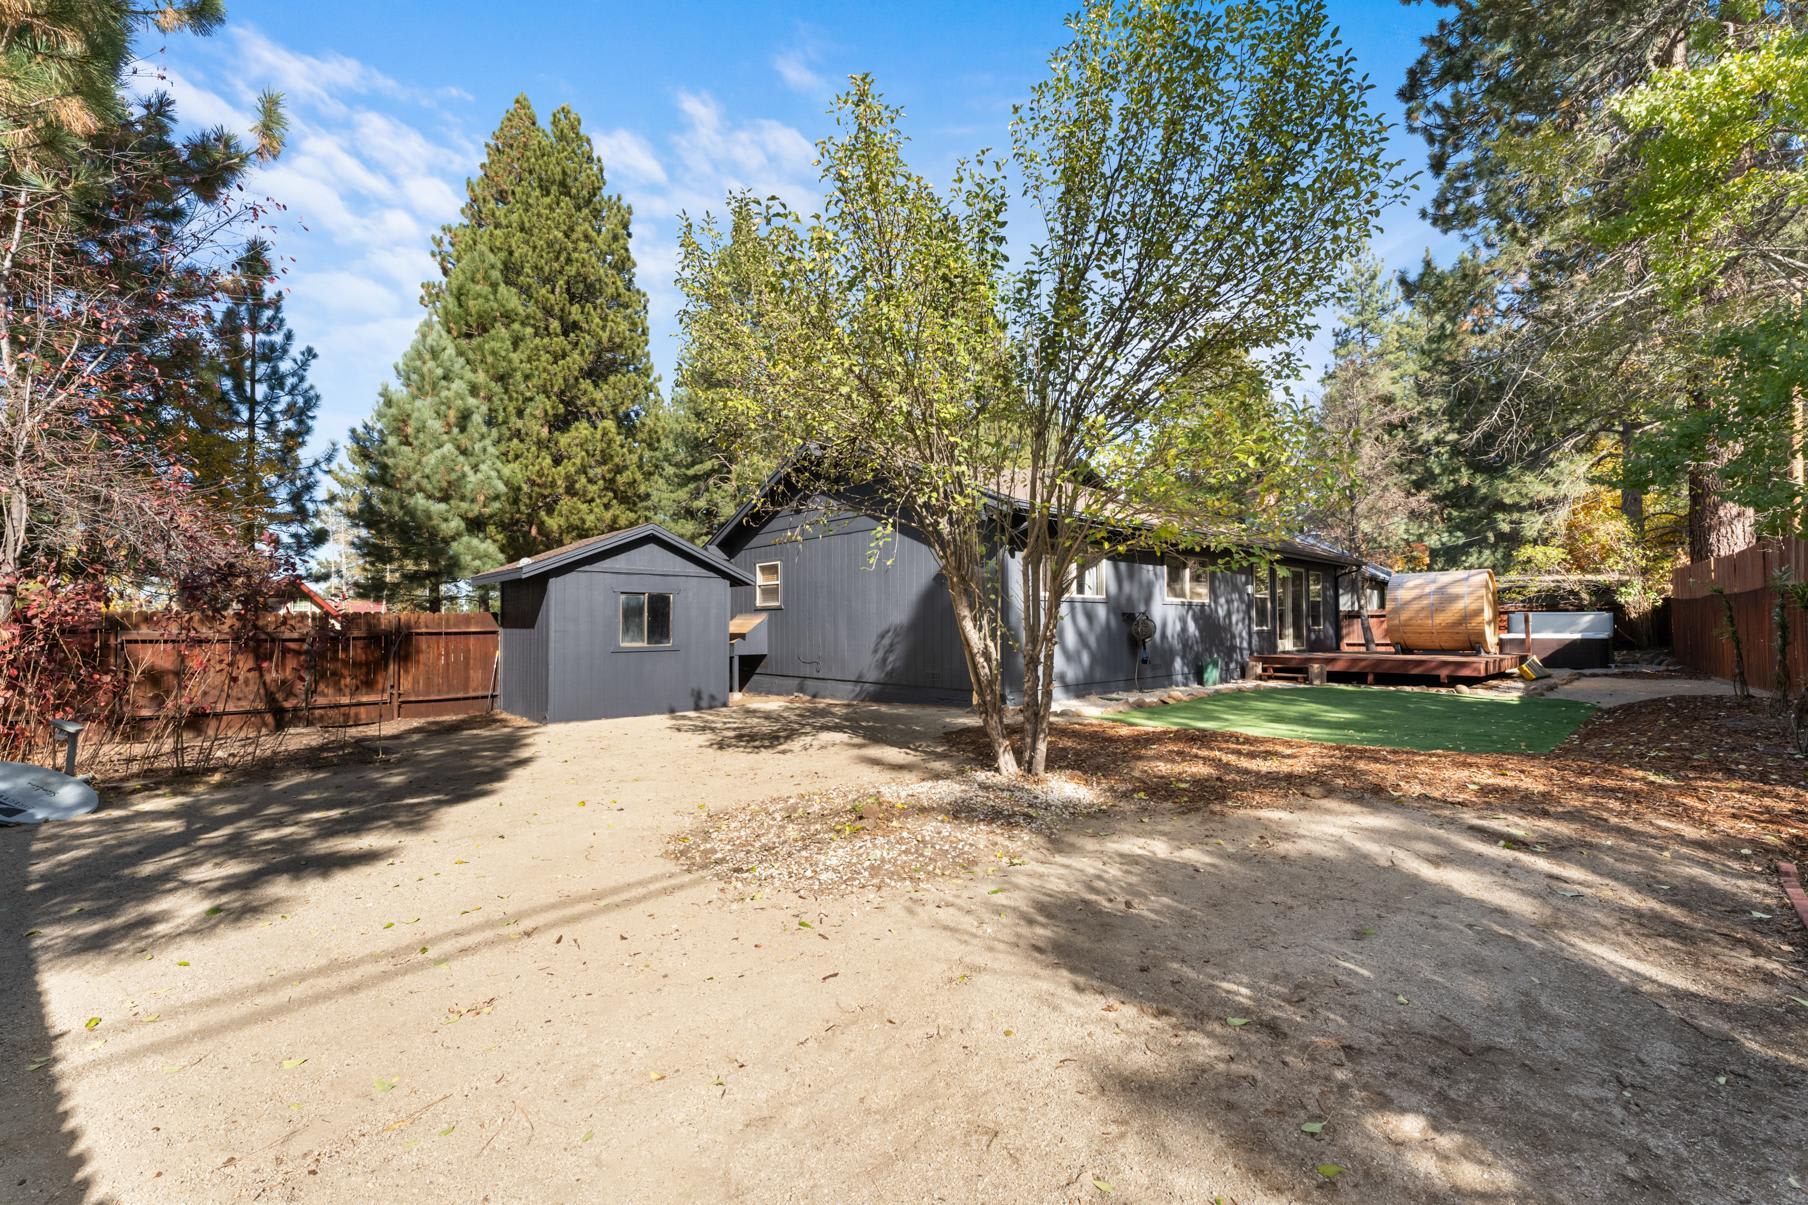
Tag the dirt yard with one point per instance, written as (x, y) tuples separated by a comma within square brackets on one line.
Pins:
[(463, 965)]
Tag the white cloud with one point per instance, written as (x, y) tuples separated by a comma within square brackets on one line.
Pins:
[(718, 156), (374, 167), (708, 156), (626, 155), (793, 67)]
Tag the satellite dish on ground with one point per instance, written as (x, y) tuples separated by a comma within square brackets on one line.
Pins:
[(32, 794)]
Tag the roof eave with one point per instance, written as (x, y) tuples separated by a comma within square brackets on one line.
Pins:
[(546, 564)]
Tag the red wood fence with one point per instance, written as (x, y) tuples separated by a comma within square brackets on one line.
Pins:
[(285, 670), (1698, 615)]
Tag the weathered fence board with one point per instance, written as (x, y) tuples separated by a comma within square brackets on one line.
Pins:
[(280, 670), (1698, 634)]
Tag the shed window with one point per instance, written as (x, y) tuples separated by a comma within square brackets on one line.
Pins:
[(1264, 601), (1088, 581), (646, 620), (1315, 600), (766, 586), (1188, 580)]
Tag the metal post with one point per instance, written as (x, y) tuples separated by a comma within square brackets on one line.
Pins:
[(67, 731)]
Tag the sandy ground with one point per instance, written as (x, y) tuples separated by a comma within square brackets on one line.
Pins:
[(465, 972), (1612, 689)]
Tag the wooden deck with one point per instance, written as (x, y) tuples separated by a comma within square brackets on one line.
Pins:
[(1444, 668)]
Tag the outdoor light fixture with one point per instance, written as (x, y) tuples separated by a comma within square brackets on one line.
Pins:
[(66, 733)]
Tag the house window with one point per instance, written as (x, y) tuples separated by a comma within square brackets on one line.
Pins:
[(1264, 602), (1377, 594), (646, 620), (766, 590), (1188, 580), (1315, 600), (1088, 581)]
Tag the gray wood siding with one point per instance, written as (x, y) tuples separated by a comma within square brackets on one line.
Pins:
[(1095, 654), (863, 622), (856, 620), (562, 657), (526, 640)]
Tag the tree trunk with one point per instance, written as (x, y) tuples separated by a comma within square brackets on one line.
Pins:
[(1044, 579), (12, 546), (1039, 697), (1362, 611), (1716, 527), (983, 672), (1798, 461), (1632, 501)]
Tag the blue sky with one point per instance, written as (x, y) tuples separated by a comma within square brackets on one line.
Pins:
[(390, 103)]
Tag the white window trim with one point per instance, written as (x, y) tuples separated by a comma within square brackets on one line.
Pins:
[(646, 619), (1077, 590), (1190, 566), (1263, 590), (777, 585)]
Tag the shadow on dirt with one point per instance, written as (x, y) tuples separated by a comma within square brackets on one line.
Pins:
[(126, 876), (1533, 995), (787, 725)]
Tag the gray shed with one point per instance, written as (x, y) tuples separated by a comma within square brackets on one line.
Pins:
[(635, 622)]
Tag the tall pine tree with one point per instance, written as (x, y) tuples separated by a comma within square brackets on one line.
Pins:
[(422, 478), (539, 294), (252, 452)]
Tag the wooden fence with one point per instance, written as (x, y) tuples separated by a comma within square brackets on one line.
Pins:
[(273, 671), (1698, 634)]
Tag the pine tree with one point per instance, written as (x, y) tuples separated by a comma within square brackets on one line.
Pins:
[(539, 294), (422, 478), (252, 451)]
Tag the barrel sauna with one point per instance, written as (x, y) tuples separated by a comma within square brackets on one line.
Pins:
[(1454, 611)]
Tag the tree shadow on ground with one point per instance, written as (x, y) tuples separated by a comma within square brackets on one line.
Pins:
[(1536, 995), (797, 725), (126, 876)]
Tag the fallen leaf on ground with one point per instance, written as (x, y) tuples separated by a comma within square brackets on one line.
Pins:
[(1103, 1186), (1313, 1127), (1329, 1171), (1236, 1021), (655, 1076), (37, 1064), (291, 1064), (91, 1022), (384, 1085)]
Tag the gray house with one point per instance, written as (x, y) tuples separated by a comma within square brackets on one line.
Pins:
[(631, 623), (844, 620)]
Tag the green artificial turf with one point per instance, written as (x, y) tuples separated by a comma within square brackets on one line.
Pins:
[(1371, 715)]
